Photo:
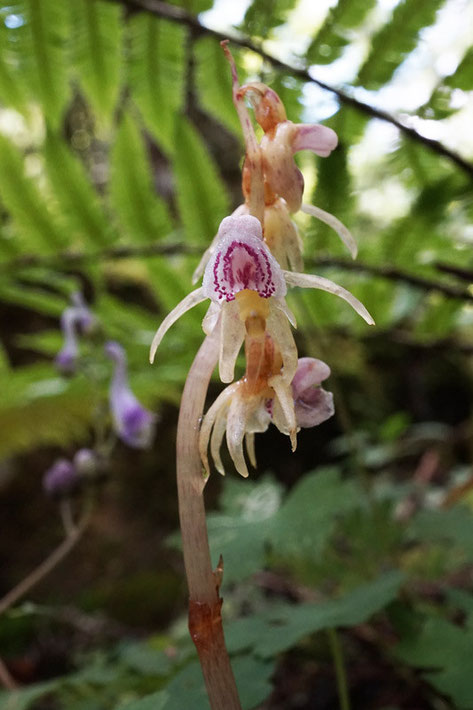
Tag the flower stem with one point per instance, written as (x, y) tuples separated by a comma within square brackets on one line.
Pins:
[(340, 674), (205, 621), (47, 565)]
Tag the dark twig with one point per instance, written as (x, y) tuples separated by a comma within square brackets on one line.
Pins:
[(393, 274), (75, 259), (181, 16), (454, 270)]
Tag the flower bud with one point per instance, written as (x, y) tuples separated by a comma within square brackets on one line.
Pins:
[(61, 479), (312, 404)]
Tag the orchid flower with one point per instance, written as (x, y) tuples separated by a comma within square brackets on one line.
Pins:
[(248, 406), (132, 422), (75, 318), (247, 289)]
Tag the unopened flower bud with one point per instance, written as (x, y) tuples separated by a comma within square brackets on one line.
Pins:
[(61, 479), (85, 463)]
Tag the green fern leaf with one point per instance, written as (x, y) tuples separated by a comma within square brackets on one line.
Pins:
[(333, 36), (35, 227), (261, 16), (75, 194), (11, 91), (395, 40), (142, 214), (201, 194), (157, 73), (214, 83), (41, 50), (96, 36)]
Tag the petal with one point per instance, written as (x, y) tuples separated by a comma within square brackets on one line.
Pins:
[(210, 319), (191, 300), (278, 328), (218, 433), (281, 304), (342, 231), (319, 139), (236, 426), (283, 408), (250, 447), (310, 372), (231, 340), (318, 410), (313, 281), (241, 209), (217, 408)]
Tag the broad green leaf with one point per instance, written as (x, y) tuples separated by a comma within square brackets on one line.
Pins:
[(96, 38), (244, 524), (155, 701), (334, 34), (450, 526), (462, 77), (187, 690), (395, 40), (75, 194), (276, 630), (23, 698), (143, 215), (157, 73), (308, 516), (442, 646), (201, 194)]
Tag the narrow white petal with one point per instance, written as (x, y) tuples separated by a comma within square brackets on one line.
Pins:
[(217, 408), (313, 281), (279, 329), (250, 447), (294, 248), (282, 305), (342, 231), (285, 401), (231, 340), (236, 425), (218, 433), (191, 300)]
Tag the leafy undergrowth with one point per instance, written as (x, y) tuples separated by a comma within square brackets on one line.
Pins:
[(330, 556)]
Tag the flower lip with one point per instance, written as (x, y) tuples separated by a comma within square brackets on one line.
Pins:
[(242, 261)]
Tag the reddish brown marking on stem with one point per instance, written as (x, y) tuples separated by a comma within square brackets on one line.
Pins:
[(205, 622)]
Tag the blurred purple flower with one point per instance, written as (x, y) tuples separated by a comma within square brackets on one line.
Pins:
[(312, 404), (61, 479), (132, 422), (75, 318)]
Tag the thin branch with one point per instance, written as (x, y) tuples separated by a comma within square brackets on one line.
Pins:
[(69, 259), (394, 274), (181, 16), (43, 569)]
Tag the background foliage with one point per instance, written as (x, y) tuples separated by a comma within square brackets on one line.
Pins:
[(119, 155)]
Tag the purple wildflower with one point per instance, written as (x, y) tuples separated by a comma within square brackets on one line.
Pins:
[(61, 479), (132, 422), (75, 318)]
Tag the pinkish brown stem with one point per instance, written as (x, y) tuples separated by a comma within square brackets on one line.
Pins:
[(205, 621)]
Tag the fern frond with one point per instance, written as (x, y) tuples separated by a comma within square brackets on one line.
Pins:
[(201, 195), (142, 214), (395, 40), (78, 201), (333, 36), (96, 37), (156, 69), (35, 228)]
